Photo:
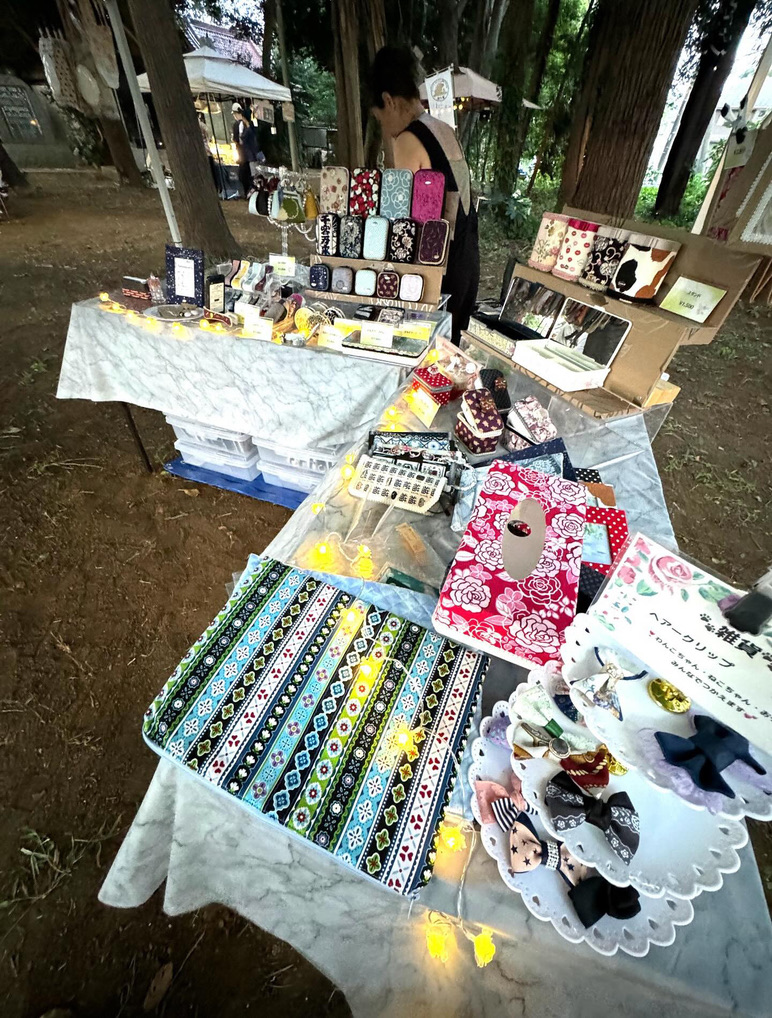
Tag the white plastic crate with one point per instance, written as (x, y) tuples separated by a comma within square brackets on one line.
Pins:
[(211, 437), (290, 477), (221, 462), (310, 460)]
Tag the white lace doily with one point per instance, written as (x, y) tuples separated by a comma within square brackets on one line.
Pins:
[(545, 894), (682, 851)]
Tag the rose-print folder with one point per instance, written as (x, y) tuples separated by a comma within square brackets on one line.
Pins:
[(481, 605), (327, 716)]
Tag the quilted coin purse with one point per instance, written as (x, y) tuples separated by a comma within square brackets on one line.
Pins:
[(376, 238), (428, 195), (351, 234), (387, 285), (364, 282), (480, 414), (327, 225), (333, 190), (411, 286), (396, 193), (342, 279), (365, 194), (402, 243), (434, 242), (320, 277)]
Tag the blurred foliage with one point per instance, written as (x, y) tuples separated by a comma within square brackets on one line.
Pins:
[(694, 195), (313, 89)]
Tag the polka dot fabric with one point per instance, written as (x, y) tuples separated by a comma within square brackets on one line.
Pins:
[(575, 249), (615, 522)]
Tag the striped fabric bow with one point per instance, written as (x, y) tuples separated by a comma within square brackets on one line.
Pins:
[(527, 851), (569, 807)]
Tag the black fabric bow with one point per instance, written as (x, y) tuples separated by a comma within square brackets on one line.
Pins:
[(712, 749), (569, 807), (596, 897)]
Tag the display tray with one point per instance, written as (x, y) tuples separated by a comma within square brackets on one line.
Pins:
[(432, 276)]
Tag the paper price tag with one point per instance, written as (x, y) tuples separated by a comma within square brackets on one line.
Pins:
[(259, 328), (330, 337), (415, 330), (283, 265), (377, 334), (692, 299), (422, 405)]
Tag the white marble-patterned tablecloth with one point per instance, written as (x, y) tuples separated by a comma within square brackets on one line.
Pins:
[(312, 399)]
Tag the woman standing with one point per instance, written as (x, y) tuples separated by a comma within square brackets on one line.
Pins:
[(245, 140), (421, 142)]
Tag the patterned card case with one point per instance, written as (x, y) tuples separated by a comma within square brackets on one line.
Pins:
[(529, 418), (521, 620), (364, 282), (333, 190), (327, 227), (352, 230), (433, 245), (390, 316), (387, 285), (387, 442), (411, 286), (343, 279), (319, 276), (402, 243), (365, 193), (474, 443), (273, 707), (478, 409), (534, 457), (428, 195), (376, 238), (396, 193)]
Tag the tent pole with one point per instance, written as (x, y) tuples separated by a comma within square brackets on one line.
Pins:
[(293, 141), (144, 121), (216, 146)]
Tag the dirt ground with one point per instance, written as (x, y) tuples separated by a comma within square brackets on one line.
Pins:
[(108, 573)]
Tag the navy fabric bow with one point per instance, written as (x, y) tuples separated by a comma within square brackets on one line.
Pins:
[(712, 749), (596, 897), (616, 817)]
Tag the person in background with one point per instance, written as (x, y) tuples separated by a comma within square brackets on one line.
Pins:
[(421, 142), (245, 140), (212, 164)]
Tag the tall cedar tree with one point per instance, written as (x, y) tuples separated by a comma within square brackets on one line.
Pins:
[(631, 59), (199, 214)]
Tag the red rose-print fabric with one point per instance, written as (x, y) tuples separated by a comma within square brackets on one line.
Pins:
[(481, 605)]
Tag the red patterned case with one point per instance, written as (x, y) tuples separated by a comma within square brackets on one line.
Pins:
[(433, 380), (428, 195), (440, 398), (387, 285), (365, 193)]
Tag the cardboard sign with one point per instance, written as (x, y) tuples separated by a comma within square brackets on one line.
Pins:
[(667, 612), (288, 112), (283, 265), (377, 334), (692, 299)]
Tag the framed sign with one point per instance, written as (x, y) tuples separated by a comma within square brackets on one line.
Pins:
[(605, 532), (184, 275)]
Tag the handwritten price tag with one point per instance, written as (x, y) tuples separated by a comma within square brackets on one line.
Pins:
[(377, 334), (283, 265)]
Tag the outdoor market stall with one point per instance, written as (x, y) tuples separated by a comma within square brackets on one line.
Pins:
[(372, 943)]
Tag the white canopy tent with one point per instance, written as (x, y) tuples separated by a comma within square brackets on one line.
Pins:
[(211, 72), (479, 92)]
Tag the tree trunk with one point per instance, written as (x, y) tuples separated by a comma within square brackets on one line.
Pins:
[(345, 28), (269, 27), (630, 63), (10, 172), (719, 49), (514, 50), (451, 12), (199, 214), (119, 145), (374, 14)]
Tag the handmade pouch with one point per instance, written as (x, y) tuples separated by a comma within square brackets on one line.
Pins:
[(292, 207), (575, 250), (479, 411), (433, 380), (474, 443), (608, 248), (434, 242), (333, 190), (402, 243), (529, 419), (273, 708), (642, 270), (365, 192), (428, 195), (263, 202), (320, 277), (515, 442), (387, 284), (549, 240), (411, 286), (494, 381), (327, 227), (342, 279), (396, 193), (376, 238), (364, 282), (351, 234)]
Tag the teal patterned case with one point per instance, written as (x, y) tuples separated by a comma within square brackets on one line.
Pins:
[(336, 720), (376, 238), (396, 193)]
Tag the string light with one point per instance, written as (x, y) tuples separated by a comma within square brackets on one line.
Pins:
[(317, 507), (484, 948), (203, 324), (433, 356), (347, 472), (392, 412), (439, 936), (349, 457), (452, 838), (104, 297)]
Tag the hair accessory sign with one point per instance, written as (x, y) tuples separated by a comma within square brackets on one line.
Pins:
[(439, 92)]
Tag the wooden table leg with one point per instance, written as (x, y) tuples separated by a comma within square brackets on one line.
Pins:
[(137, 438)]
